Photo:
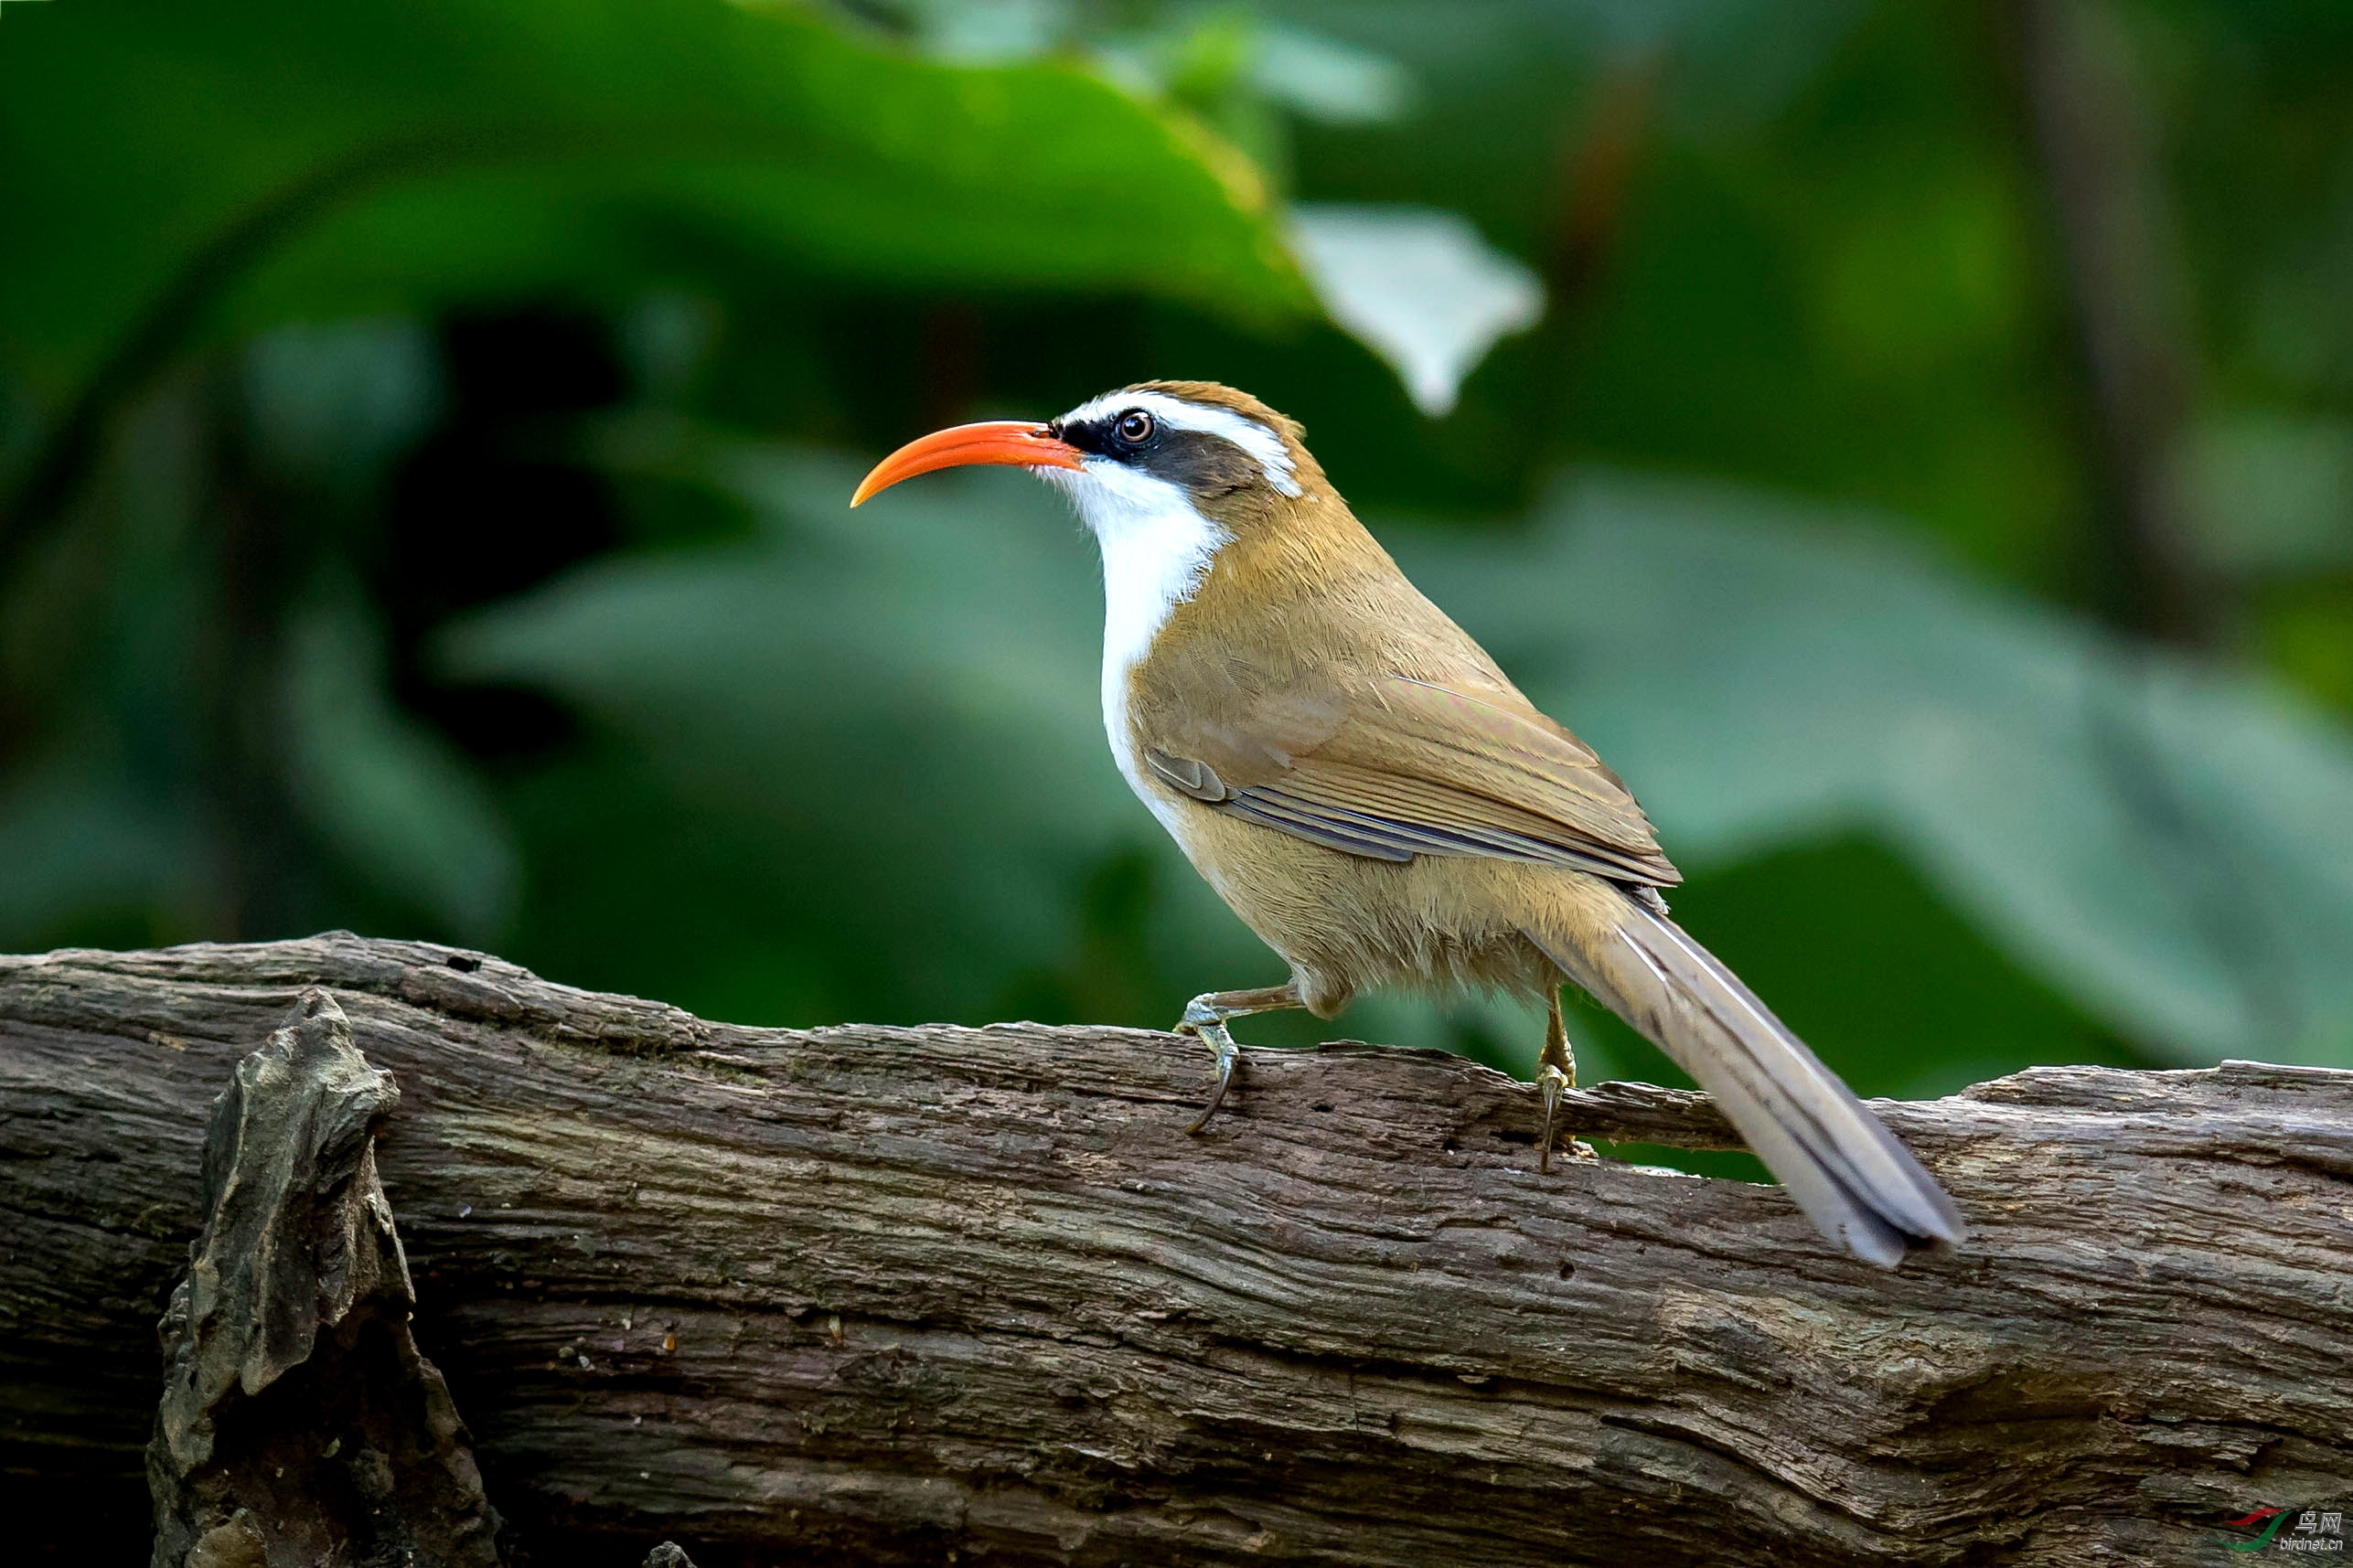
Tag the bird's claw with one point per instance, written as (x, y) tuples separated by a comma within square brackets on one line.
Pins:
[(1211, 1031), (1551, 1083)]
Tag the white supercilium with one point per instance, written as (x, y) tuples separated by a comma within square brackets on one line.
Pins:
[(1273, 457)]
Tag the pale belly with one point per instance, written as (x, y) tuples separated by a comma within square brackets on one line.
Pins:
[(1347, 925)]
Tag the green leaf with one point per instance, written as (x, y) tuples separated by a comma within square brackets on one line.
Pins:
[(2271, 494), (2169, 844), (1416, 286), (389, 794), (331, 406), (370, 157)]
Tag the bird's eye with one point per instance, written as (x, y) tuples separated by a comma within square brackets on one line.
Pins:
[(1134, 427)]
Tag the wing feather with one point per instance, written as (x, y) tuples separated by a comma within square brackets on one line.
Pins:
[(1400, 767)]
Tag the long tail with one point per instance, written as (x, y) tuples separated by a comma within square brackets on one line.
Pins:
[(1848, 1173)]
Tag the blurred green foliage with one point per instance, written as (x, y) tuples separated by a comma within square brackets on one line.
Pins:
[(425, 434), (378, 157)]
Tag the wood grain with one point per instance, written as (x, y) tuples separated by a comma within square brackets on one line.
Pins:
[(881, 1295)]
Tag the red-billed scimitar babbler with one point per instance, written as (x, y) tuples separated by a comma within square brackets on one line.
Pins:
[(1361, 783)]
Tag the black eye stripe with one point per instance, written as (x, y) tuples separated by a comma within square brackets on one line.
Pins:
[(1128, 434), (1203, 464)]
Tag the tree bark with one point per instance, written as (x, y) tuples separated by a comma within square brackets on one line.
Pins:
[(889, 1294), (299, 1423)]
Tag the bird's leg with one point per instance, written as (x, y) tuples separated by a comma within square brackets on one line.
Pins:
[(1204, 1019), (1555, 1071)]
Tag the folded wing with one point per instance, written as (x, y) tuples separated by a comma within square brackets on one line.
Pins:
[(1393, 767)]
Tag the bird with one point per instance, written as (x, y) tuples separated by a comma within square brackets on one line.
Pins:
[(1364, 788)]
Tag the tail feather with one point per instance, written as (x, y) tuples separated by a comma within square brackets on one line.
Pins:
[(1843, 1166)]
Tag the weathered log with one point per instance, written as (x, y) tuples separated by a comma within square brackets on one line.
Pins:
[(880, 1295), (299, 1424)]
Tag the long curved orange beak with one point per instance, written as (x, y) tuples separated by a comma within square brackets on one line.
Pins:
[(1015, 442)]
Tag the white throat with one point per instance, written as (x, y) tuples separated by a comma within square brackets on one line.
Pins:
[(1157, 549)]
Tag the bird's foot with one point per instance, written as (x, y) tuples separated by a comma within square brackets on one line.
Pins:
[(1207, 1024), (1556, 1074), (1550, 1083), (1204, 1020)]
